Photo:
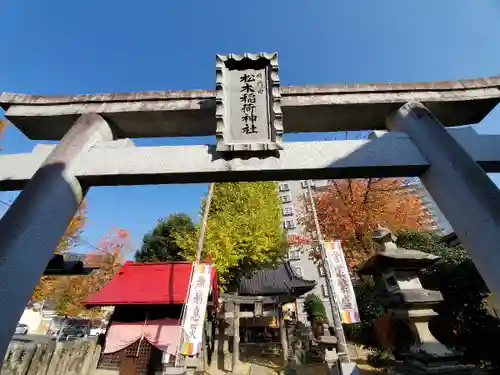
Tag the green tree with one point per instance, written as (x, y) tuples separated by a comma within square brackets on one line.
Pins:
[(244, 230), (159, 245)]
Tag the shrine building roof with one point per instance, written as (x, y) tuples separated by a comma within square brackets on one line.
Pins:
[(146, 284), (280, 280)]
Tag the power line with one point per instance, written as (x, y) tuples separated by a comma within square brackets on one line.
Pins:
[(78, 240), (5, 203), (85, 242)]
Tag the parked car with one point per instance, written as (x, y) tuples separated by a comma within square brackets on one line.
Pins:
[(96, 331), (69, 333), (21, 329)]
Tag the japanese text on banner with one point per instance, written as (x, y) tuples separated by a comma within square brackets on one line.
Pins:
[(192, 326), (342, 285)]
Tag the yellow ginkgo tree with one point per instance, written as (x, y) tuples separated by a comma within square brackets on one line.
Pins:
[(244, 230)]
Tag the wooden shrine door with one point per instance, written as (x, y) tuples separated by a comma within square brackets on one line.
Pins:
[(135, 360)]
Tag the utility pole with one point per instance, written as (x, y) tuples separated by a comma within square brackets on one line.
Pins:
[(337, 321)]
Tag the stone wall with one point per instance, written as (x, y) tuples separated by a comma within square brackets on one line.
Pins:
[(50, 358)]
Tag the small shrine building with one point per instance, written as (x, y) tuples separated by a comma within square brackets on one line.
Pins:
[(144, 332), (263, 302)]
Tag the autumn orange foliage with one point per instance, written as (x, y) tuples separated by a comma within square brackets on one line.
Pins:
[(108, 256), (351, 209), (48, 284), (3, 124)]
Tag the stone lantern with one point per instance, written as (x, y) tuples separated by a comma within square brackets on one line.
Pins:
[(396, 273)]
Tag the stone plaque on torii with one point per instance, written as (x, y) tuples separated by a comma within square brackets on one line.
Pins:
[(248, 103), (95, 151)]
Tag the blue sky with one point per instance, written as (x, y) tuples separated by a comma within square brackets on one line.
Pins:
[(69, 47)]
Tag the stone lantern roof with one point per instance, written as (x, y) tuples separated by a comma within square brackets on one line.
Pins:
[(402, 259), (391, 256)]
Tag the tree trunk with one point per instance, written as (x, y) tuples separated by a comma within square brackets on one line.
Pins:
[(318, 329)]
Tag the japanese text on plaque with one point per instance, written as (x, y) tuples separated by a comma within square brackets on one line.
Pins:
[(251, 84)]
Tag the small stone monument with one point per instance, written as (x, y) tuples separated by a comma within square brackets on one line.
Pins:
[(396, 273)]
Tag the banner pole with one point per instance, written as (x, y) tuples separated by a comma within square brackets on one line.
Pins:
[(199, 250), (337, 321)]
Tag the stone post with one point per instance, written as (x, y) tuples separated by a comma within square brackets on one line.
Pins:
[(236, 336), (192, 365), (293, 343), (283, 335), (31, 229), (462, 190)]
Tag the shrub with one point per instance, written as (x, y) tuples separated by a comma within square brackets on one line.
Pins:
[(380, 358), (370, 309), (315, 310)]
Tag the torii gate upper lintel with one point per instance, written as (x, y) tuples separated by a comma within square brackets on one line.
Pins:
[(248, 112), (184, 113)]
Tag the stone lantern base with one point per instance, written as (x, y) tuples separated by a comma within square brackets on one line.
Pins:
[(424, 364)]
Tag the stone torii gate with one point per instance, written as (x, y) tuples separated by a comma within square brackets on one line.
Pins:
[(248, 112)]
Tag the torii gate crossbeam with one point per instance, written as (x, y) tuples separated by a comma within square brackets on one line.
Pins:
[(122, 163)]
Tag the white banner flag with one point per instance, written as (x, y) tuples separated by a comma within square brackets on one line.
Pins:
[(341, 282), (194, 318)]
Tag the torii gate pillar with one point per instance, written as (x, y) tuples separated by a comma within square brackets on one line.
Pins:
[(31, 229), (463, 191)]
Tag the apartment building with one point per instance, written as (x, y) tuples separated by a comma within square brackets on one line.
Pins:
[(292, 195), (440, 223)]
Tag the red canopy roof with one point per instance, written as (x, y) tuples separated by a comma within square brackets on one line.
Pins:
[(146, 284)]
